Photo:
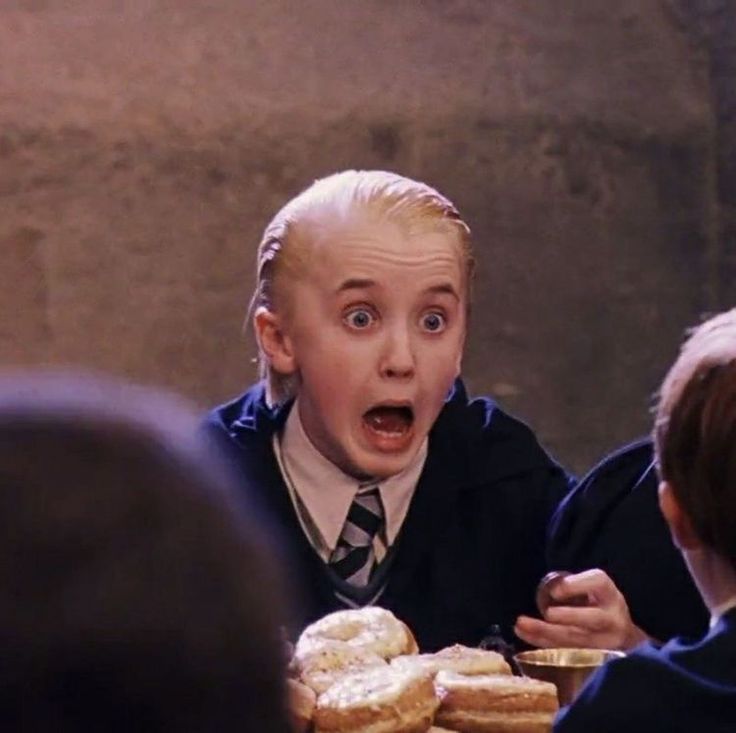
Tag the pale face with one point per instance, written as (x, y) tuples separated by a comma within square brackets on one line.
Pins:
[(376, 331)]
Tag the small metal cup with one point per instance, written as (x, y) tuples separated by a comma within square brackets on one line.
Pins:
[(568, 669)]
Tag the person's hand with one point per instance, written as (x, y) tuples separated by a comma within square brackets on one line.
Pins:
[(603, 622)]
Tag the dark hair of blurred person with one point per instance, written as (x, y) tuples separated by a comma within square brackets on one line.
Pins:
[(136, 592)]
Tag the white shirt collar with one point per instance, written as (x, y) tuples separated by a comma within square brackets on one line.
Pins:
[(327, 492), (718, 611)]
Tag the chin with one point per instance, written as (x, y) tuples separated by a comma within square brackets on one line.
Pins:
[(380, 466)]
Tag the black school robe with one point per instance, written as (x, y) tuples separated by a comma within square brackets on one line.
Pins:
[(472, 546), (611, 520)]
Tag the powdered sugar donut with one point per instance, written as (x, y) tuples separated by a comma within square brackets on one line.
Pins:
[(320, 666), (495, 703), (371, 629), (457, 658), (301, 701), (379, 700)]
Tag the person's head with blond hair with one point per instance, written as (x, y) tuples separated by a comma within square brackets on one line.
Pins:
[(288, 242), (695, 440), (369, 263)]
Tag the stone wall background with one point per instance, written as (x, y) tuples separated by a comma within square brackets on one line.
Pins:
[(712, 24), (145, 144)]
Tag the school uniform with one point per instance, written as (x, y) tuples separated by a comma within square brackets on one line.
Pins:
[(681, 687), (612, 521), (468, 552)]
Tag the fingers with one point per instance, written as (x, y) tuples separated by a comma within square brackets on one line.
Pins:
[(544, 634), (589, 626), (602, 622), (591, 618), (594, 584)]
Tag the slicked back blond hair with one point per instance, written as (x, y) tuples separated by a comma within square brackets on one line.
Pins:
[(695, 432), (285, 248)]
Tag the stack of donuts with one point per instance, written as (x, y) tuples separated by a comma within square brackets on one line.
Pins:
[(360, 670)]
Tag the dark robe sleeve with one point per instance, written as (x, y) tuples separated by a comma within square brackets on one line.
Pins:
[(611, 520)]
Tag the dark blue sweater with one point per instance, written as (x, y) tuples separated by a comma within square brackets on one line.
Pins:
[(472, 547), (680, 688)]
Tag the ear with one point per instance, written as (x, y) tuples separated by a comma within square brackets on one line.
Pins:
[(681, 528), (460, 353), (274, 341)]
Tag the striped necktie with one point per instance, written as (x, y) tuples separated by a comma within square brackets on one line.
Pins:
[(354, 558)]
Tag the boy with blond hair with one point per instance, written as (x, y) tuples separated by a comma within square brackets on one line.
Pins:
[(395, 488), (685, 685)]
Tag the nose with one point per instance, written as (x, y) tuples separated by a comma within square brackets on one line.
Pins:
[(398, 360)]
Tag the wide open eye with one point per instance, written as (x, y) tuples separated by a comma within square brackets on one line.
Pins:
[(433, 322), (359, 318)]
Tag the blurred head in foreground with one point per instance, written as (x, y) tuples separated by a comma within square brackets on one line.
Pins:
[(135, 593), (695, 437)]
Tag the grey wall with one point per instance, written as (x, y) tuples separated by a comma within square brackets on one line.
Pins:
[(144, 145)]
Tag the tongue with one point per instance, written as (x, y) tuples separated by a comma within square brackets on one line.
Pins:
[(389, 419)]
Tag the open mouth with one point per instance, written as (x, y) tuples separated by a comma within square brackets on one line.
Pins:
[(390, 420)]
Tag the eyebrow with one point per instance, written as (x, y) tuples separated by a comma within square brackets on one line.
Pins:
[(360, 284), (445, 288), (355, 284)]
